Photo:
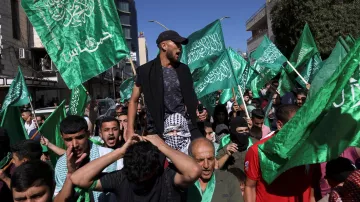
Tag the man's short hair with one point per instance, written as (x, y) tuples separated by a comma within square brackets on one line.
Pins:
[(141, 160), (41, 116), (32, 174), (73, 124), (284, 112), (207, 125), (339, 169), (195, 142), (301, 92), (29, 149), (258, 113), (107, 119), (118, 107), (26, 110)]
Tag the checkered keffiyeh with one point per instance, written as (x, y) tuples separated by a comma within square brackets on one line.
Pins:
[(349, 192), (180, 141)]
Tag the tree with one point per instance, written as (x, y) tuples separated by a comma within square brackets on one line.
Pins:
[(328, 19)]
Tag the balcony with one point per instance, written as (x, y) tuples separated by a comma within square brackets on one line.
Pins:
[(254, 41), (258, 20)]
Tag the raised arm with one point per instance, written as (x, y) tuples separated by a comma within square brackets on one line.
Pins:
[(133, 102), (188, 170), (57, 150), (95, 167)]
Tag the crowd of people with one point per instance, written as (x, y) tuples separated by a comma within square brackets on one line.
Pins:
[(167, 148)]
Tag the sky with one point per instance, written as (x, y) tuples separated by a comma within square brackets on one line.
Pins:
[(188, 16)]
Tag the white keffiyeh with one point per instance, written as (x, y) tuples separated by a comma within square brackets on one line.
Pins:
[(181, 140)]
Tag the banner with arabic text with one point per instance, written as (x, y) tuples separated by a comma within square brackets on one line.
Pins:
[(83, 38)]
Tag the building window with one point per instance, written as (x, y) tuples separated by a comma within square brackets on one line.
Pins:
[(15, 19), (129, 44), (124, 6), (127, 32), (125, 19)]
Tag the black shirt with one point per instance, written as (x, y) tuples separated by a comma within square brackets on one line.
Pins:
[(161, 189), (173, 99)]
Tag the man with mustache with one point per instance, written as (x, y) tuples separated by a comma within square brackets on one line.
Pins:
[(80, 150), (167, 86), (213, 185)]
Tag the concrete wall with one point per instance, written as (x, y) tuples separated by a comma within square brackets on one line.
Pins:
[(10, 61), (143, 55)]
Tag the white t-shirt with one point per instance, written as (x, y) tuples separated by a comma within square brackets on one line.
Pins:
[(30, 127)]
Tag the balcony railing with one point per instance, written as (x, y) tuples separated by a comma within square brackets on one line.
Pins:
[(258, 35), (255, 14)]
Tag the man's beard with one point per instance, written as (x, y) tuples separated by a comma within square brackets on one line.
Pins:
[(171, 57)]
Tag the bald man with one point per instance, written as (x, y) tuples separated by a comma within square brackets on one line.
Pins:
[(213, 184)]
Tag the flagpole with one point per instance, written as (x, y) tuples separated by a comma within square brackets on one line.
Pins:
[(134, 72), (302, 78), (33, 112), (234, 95), (34, 115), (242, 99), (132, 66), (113, 80)]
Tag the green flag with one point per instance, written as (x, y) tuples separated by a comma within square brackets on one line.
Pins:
[(345, 43), (329, 67), (267, 110), (268, 56), (209, 101), (219, 76), (126, 89), (51, 129), (11, 120), (239, 65), (83, 39), (199, 72), (323, 128), (226, 95), (204, 46), (269, 61), (286, 83), (252, 79), (18, 94), (305, 59), (78, 101), (350, 40)]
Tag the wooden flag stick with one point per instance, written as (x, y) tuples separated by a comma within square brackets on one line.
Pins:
[(7, 166), (242, 99), (35, 134), (234, 95), (33, 112), (302, 78), (132, 66)]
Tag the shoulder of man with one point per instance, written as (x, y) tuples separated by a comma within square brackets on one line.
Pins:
[(61, 170), (221, 175), (146, 65), (61, 162)]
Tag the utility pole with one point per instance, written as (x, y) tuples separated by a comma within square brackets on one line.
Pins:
[(1, 46)]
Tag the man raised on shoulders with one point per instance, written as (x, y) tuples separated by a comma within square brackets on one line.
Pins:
[(167, 86)]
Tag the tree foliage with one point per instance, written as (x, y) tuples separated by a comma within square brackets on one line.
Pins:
[(328, 19)]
